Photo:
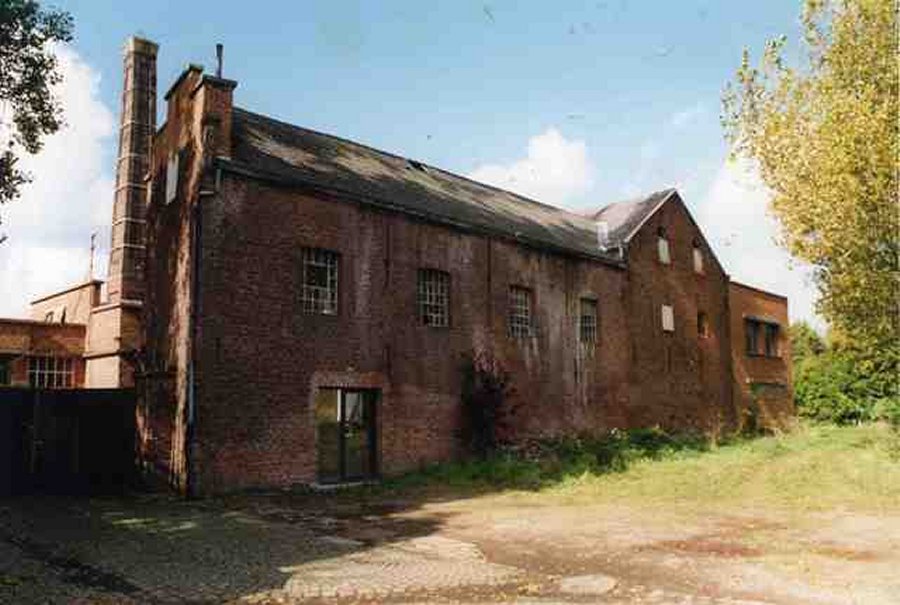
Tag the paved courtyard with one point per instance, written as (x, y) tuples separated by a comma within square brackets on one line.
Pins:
[(286, 548)]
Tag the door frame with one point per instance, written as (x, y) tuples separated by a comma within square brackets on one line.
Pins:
[(372, 399)]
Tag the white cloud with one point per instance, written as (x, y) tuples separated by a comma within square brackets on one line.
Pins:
[(734, 216), (554, 170), (49, 227), (684, 118)]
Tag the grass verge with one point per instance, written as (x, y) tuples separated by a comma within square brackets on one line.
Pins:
[(815, 467)]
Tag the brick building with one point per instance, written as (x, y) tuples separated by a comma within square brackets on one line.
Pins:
[(309, 301), (296, 308)]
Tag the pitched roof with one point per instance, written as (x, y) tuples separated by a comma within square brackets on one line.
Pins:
[(270, 149), (626, 217)]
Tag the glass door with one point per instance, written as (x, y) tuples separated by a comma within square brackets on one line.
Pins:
[(345, 434)]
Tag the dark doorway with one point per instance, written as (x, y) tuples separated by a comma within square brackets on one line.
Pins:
[(345, 434)]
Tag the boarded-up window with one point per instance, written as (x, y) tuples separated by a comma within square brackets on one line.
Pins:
[(698, 259), (172, 177), (587, 320), (319, 281), (520, 312), (668, 318), (433, 296), (662, 245)]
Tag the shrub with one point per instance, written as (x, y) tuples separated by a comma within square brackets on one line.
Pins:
[(846, 388), (486, 403)]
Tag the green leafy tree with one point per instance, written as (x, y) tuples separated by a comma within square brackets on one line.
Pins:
[(28, 72), (824, 137), (805, 342)]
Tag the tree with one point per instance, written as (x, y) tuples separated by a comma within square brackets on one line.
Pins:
[(805, 342), (824, 137), (28, 71)]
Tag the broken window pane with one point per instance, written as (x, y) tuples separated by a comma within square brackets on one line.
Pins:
[(318, 288)]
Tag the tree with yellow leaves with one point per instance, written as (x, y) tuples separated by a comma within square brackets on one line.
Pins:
[(824, 136)]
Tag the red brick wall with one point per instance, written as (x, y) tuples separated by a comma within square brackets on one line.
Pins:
[(261, 358), (678, 379), (20, 339), (762, 385)]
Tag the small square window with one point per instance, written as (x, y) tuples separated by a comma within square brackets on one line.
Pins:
[(433, 296), (668, 318), (587, 320), (520, 310), (702, 325), (319, 281)]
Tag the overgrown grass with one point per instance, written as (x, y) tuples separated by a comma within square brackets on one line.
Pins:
[(814, 467)]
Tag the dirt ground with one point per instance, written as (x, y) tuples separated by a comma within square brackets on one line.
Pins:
[(285, 548)]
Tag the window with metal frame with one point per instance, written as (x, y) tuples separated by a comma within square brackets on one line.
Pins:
[(433, 298), (521, 324), (751, 336), (587, 320), (319, 281), (771, 339), (48, 372)]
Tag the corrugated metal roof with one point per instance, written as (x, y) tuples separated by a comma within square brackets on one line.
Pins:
[(268, 148)]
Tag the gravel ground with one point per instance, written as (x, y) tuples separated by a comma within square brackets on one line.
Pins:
[(289, 548)]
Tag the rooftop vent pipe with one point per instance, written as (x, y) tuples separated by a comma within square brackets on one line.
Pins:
[(219, 49)]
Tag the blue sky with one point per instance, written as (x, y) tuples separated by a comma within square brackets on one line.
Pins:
[(593, 101)]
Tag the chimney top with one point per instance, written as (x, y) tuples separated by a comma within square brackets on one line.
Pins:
[(135, 44)]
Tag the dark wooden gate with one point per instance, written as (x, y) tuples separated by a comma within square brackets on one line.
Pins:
[(66, 441)]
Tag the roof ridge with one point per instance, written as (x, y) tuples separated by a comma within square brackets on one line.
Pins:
[(407, 159)]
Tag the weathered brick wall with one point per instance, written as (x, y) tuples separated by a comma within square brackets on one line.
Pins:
[(20, 339), (162, 391), (261, 358), (678, 379), (763, 385)]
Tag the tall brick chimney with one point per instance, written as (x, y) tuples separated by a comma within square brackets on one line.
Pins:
[(125, 281), (114, 327)]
